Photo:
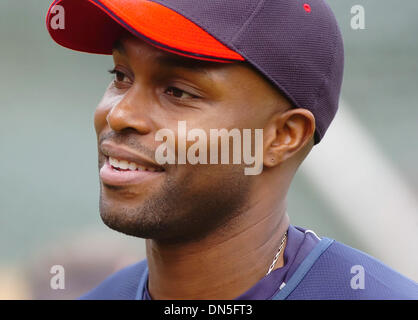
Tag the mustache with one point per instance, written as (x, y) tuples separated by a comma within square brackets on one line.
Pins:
[(128, 138)]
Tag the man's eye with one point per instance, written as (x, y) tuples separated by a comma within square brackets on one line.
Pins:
[(178, 93), (119, 76)]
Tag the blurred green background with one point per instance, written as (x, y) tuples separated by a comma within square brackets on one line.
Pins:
[(49, 179)]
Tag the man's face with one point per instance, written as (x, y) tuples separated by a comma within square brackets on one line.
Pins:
[(154, 90)]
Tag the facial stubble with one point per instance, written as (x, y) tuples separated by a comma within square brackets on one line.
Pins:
[(183, 209)]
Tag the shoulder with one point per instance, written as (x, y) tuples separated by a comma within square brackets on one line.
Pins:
[(342, 272), (121, 285)]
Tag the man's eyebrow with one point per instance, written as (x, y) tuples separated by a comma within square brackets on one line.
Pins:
[(193, 65)]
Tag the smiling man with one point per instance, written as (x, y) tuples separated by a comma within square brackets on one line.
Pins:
[(211, 231)]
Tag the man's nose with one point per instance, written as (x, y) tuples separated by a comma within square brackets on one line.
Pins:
[(130, 112)]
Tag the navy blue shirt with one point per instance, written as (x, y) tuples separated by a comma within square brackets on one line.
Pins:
[(299, 244)]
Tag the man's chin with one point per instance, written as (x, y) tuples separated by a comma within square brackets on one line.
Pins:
[(134, 210), (123, 219)]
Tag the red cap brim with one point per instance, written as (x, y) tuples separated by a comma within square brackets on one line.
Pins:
[(93, 26)]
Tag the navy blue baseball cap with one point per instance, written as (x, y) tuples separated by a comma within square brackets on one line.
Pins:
[(295, 44)]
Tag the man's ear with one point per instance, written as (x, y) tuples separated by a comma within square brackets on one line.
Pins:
[(287, 133)]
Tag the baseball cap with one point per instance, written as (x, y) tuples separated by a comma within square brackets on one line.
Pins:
[(295, 44)]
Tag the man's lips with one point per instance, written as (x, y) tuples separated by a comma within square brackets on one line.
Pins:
[(111, 176), (122, 153), (126, 167)]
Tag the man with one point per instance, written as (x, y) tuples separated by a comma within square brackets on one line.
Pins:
[(213, 232)]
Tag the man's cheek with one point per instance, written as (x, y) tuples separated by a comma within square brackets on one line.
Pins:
[(99, 120), (110, 99)]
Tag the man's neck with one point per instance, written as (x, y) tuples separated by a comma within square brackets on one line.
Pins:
[(224, 264)]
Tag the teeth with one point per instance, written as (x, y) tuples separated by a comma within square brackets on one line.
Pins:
[(124, 165), (113, 162)]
